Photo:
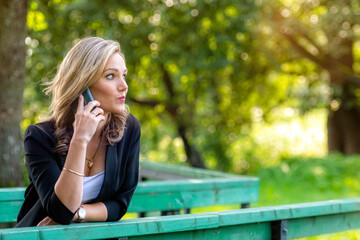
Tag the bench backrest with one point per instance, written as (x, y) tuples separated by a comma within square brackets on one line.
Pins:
[(277, 222)]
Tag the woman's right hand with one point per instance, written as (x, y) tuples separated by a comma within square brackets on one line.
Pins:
[(47, 221), (87, 119)]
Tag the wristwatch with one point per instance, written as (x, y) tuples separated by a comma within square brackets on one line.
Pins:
[(81, 214)]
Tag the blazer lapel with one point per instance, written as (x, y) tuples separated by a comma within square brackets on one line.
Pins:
[(110, 169)]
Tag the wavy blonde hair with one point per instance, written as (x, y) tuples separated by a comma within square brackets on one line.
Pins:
[(81, 68)]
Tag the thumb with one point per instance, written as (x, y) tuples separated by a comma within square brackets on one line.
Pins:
[(80, 106)]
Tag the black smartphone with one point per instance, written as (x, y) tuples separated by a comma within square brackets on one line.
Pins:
[(87, 96)]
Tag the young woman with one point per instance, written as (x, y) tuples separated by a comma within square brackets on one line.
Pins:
[(83, 162)]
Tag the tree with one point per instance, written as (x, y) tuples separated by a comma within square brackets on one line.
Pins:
[(193, 68), (12, 77), (326, 34)]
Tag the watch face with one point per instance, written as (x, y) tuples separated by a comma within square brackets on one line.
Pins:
[(82, 213)]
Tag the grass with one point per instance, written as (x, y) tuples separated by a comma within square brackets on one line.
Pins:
[(298, 180), (310, 179)]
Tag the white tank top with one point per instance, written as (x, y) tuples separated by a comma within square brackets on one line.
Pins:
[(92, 186)]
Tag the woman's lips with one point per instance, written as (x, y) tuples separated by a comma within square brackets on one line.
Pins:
[(122, 99)]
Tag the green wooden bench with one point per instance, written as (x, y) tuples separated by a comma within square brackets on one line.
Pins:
[(189, 188), (277, 222)]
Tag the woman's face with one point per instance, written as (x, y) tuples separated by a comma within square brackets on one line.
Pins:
[(111, 88)]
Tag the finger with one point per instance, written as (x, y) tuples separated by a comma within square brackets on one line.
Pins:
[(52, 222), (41, 223), (80, 106), (91, 105), (101, 118), (98, 111)]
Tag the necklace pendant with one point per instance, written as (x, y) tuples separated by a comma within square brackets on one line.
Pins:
[(90, 164)]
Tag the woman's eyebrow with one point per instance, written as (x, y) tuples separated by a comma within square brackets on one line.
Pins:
[(114, 69)]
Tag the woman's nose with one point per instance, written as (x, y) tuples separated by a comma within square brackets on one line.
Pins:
[(122, 86)]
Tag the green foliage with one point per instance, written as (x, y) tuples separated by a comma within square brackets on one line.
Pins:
[(192, 65), (314, 42), (300, 179), (214, 68)]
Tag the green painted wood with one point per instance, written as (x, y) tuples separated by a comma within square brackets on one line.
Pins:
[(123, 228), (11, 194), (173, 200), (9, 211), (31, 233), (167, 197), (306, 227), (243, 232), (214, 188), (291, 211), (195, 184), (187, 171), (314, 218)]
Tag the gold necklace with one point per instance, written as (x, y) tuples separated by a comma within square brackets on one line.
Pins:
[(91, 161)]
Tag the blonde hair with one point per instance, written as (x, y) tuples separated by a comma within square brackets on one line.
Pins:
[(81, 68)]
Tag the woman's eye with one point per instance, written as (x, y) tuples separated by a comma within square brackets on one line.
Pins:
[(110, 76), (123, 77)]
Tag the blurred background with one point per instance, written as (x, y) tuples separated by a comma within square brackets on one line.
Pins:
[(269, 88)]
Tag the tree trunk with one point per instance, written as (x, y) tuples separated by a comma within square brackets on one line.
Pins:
[(193, 156), (12, 77), (343, 131), (343, 125)]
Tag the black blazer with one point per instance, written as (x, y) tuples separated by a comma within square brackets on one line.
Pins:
[(44, 167)]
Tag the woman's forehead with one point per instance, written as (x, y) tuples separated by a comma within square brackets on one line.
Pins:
[(116, 61)]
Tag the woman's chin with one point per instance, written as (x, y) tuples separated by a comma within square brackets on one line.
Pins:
[(120, 110)]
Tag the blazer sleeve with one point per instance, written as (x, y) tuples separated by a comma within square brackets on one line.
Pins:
[(117, 207), (44, 173)]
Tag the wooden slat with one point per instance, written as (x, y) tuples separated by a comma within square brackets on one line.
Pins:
[(302, 220), (31, 233), (12, 194), (306, 227), (124, 228), (151, 174), (243, 232), (188, 172), (165, 200), (9, 211), (195, 184), (214, 189), (162, 195), (168, 200), (189, 199), (291, 211)]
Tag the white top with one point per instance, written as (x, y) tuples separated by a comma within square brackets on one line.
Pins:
[(92, 186)]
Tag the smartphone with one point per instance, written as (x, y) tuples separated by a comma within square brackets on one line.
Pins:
[(87, 96)]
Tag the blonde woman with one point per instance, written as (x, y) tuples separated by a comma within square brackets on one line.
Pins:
[(83, 162)]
